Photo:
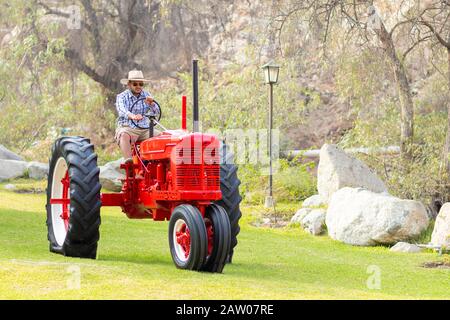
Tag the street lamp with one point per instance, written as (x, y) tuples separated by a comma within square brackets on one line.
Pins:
[(271, 71)]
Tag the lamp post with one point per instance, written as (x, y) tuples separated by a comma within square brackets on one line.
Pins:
[(271, 71)]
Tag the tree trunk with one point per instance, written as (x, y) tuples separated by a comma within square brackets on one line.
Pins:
[(406, 103), (446, 155)]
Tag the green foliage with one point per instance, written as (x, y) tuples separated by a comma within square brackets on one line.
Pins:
[(42, 95), (229, 102), (292, 181), (421, 177)]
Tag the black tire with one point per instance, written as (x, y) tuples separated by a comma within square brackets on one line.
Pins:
[(192, 219), (221, 242), (82, 234), (231, 198)]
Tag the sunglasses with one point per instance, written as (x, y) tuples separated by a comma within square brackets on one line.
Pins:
[(138, 84)]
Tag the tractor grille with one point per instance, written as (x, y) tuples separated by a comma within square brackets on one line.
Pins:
[(191, 176)]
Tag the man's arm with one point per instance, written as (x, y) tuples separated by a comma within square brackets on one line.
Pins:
[(149, 101), (148, 98), (122, 109)]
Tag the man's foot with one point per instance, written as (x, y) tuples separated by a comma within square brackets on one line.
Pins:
[(129, 164)]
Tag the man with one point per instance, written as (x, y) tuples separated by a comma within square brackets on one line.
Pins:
[(127, 132)]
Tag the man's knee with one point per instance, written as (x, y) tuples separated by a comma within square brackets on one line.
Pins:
[(125, 138)]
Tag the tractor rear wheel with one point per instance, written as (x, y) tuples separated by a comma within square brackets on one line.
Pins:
[(73, 198), (218, 231), (231, 198), (187, 238)]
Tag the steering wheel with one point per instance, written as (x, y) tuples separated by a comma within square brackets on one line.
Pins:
[(149, 114)]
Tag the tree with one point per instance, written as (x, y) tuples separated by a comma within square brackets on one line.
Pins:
[(435, 18), (361, 21), (105, 39)]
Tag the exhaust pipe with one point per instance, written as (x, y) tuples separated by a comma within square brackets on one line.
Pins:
[(195, 95)]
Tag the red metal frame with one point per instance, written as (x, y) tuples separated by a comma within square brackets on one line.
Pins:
[(183, 113), (173, 168)]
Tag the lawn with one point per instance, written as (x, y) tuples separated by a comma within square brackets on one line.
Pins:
[(134, 263)]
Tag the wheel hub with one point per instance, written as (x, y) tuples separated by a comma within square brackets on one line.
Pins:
[(182, 240)]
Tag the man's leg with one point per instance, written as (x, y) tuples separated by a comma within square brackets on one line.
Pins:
[(125, 145), (125, 138)]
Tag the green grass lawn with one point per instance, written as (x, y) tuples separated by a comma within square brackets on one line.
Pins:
[(134, 263)]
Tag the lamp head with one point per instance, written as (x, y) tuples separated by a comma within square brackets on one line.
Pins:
[(271, 71)]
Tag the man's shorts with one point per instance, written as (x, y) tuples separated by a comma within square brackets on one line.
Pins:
[(135, 134)]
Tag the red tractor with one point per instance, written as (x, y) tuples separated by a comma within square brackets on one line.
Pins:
[(186, 178)]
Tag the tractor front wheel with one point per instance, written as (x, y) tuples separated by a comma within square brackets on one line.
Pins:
[(218, 230), (73, 198), (187, 238)]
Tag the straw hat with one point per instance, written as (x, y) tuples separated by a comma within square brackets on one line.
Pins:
[(134, 75)]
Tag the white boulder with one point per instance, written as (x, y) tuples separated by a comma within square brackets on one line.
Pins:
[(314, 222), (314, 201), (110, 175), (10, 187), (6, 154), (441, 231), (300, 214), (37, 170), (360, 217), (337, 170), (405, 247), (11, 169)]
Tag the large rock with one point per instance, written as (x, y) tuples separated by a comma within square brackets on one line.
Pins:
[(405, 247), (337, 170), (314, 202), (441, 231), (11, 169), (37, 170), (360, 217), (5, 154), (314, 222), (110, 175), (300, 214)]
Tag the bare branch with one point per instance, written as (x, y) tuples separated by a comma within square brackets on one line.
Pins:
[(438, 36), (415, 44)]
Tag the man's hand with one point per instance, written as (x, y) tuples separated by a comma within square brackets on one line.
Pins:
[(149, 100), (135, 117)]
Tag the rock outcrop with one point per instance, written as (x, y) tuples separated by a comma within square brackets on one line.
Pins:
[(37, 170), (441, 231), (405, 247), (6, 154), (360, 217), (110, 175), (314, 222), (314, 201), (11, 169), (337, 170)]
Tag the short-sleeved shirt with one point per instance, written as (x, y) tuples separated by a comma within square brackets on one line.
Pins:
[(124, 102)]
